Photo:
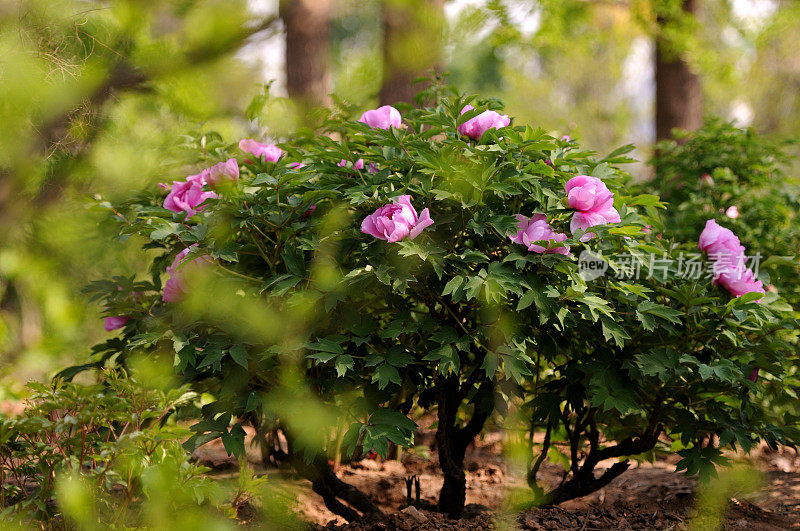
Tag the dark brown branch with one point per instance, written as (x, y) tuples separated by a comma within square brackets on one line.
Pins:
[(583, 480), (480, 414), (534, 470), (332, 489)]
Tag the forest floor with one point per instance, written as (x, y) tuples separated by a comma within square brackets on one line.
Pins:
[(648, 496)]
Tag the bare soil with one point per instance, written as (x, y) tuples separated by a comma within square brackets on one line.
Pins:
[(649, 496)]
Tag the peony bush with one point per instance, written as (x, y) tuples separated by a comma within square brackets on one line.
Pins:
[(446, 260)]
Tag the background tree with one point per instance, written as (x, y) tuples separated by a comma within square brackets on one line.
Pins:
[(413, 35), (679, 99), (308, 27)]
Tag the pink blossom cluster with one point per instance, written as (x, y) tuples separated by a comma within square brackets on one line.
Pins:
[(475, 127), (396, 221), (189, 195), (536, 229), (594, 203), (728, 255), (269, 152)]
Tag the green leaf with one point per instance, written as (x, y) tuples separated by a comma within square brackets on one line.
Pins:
[(490, 364), (211, 355), (449, 361), (233, 441), (526, 300), (343, 363), (722, 370), (453, 285), (326, 345), (596, 305), (665, 312), (613, 330), (293, 258), (253, 401), (384, 374), (239, 355)]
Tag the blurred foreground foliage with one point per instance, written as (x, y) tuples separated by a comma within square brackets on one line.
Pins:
[(109, 455), (94, 99)]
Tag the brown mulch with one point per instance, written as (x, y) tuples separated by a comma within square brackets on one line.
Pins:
[(649, 496)]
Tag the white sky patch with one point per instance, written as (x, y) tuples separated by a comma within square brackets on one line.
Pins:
[(266, 51), (638, 68), (741, 113), (753, 13), (262, 8), (453, 8), (638, 88), (527, 18)]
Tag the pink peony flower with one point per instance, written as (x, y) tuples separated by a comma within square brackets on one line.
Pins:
[(739, 282), (113, 323), (222, 172), (584, 220), (382, 118), (395, 221), (587, 194), (308, 212), (475, 127), (707, 180), (359, 165), (175, 287), (188, 196), (270, 152), (565, 138), (594, 203), (537, 229), (297, 165), (719, 241), (728, 255), (732, 212)]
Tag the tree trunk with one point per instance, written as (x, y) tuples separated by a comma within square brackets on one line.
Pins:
[(451, 458), (678, 92), (452, 441), (412, 46), (340, 497), (334, 491), (308, 27)]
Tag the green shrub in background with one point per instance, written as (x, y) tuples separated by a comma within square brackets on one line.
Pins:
[(739, 178), (447, 260)]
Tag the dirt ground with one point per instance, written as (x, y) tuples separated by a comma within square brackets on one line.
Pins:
[(649, 496)]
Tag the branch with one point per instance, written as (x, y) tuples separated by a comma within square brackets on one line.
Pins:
[(531, 477), (123, 77)]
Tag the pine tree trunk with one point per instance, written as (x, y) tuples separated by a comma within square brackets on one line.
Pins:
[(678, 93), (412, 46), (307, 24)]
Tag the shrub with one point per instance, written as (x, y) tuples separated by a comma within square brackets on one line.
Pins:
[(738, 177), (109, 437), (311, 292)]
